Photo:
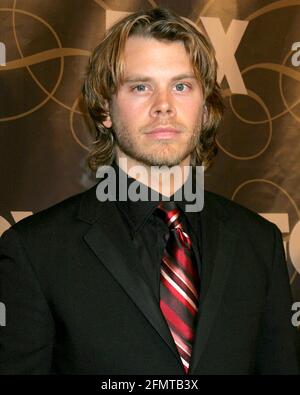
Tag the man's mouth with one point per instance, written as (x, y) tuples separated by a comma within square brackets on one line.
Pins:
[(163, 133)]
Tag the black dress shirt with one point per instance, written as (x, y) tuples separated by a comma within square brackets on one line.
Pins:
[(149, 232)]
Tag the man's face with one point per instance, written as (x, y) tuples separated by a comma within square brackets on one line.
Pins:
[(157, 111)]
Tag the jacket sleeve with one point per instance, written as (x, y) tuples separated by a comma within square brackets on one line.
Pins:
[(26, 340), (276, 353)]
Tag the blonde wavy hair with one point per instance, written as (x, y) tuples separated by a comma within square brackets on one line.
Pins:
[(105, 72)]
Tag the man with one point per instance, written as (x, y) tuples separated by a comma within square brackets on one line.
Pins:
[(147, 287)]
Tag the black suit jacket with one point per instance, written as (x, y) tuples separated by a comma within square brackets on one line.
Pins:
[(77, 301)]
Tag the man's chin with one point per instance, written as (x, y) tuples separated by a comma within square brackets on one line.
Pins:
[(162, 160), (169, 155)]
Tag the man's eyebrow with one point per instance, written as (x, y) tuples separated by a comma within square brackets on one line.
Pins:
[(143, 78)]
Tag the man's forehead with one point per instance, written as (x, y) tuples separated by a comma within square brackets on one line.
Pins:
[(142, 54)]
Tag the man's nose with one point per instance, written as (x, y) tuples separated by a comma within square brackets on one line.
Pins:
[(163, 104)]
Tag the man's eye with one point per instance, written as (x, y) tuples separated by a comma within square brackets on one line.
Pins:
[(181, 87), (140, 88)]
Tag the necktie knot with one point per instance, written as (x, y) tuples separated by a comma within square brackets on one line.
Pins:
[(170, 214)]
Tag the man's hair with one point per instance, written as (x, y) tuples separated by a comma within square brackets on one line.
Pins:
[(105, 73)]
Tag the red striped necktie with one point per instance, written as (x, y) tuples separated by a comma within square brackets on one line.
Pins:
[(179, 283)]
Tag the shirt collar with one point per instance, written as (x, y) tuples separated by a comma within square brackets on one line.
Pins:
[(138, 212)]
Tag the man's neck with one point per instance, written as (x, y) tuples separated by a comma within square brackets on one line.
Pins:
[(162, 179)]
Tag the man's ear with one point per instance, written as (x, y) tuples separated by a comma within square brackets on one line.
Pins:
[(107, 122)]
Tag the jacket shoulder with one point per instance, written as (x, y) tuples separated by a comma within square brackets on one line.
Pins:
[(242, 218), (51, 220)]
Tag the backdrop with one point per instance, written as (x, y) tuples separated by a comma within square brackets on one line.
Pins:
[(44, 49)]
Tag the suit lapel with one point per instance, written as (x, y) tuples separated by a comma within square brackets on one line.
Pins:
[(109, 239), (218, 244)]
